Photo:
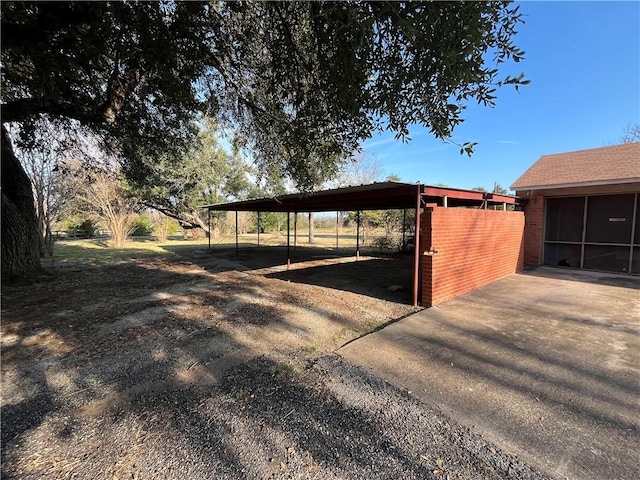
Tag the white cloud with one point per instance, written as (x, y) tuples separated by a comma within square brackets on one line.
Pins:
[(378, 143)]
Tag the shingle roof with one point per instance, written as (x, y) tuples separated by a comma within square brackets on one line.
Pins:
[(597, 166)]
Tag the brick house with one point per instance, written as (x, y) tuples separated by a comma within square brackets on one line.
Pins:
[(582, 209)]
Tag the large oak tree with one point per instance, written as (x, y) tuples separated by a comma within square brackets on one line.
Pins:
[(303, 82), (207, 174)]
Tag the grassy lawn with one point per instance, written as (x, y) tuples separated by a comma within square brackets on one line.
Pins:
[(99, 251)]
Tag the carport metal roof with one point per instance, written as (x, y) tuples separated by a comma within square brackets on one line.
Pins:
[(375, 196)]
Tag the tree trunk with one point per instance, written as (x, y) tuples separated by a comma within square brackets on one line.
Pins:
[(48, 240), (311, 229), (20, 236), (44, 224), (121, 226)]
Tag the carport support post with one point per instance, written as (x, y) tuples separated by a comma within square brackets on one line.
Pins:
[(258, 228), (358, 235), (209, 225), (337, 228), (404, 229), (236, 233), (288, 242), (295, 231), (416, 251)]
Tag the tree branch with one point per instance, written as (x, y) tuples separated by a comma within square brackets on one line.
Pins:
[(118, 91), (187, 218), (24, 108)]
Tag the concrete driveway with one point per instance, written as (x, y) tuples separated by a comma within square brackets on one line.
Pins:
[(546, 364)]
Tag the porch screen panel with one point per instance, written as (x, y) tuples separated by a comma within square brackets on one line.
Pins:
[(636, 238), (606, 237), (562, 255), (635, 264), (564, 219), (610, 219), (606, 258)]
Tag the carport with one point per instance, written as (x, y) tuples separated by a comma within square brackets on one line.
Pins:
[(423, 199)]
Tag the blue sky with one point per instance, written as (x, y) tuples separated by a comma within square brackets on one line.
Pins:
[(583, 60)]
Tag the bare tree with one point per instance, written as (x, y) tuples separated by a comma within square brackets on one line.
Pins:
[(103, 196), (109, 201), (361, 169), (160, 224), (631, 133), (244, 223), (358, 170), (41, 168), (44, 163)]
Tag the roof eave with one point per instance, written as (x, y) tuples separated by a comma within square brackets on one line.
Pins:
[(596, 183)]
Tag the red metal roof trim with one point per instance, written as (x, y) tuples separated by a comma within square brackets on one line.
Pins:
[(376, 196)]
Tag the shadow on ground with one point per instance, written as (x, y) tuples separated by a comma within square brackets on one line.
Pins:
[(544, 365), (386, 278), (599, 278), (383, 276), (99, 361), (164, 369)]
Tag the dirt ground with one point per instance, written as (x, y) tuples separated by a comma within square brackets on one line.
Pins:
[(218, 366)]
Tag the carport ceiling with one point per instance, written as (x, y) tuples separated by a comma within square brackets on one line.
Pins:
[(376, 196)]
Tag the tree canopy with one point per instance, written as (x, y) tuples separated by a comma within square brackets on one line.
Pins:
[(207, 174), (302, 82)]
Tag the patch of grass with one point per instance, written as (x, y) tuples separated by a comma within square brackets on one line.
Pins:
[(344, 333), (310, 348), (283, 370), (372, 324), (99, 251), (240, 394)]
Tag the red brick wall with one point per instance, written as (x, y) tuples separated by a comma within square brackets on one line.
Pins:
[(533, 230), (474, 247)]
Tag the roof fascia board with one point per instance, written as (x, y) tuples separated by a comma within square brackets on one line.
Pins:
[(381, 196), (575, 185)]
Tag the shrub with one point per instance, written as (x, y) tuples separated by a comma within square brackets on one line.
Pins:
[(386, 243), (162, 225), (142, 226), (81, 228)]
